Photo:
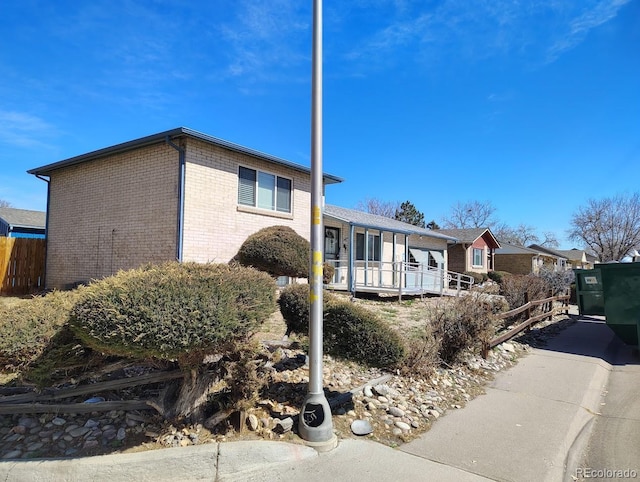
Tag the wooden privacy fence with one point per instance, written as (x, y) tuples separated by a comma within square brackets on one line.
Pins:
[(548, 310), (21, 265)]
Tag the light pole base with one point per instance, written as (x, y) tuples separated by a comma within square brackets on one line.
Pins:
[(326, 446), (315, 424)]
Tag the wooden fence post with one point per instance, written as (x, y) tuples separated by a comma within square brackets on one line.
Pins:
[(528, 311)]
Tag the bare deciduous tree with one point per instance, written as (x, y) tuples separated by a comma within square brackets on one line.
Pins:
[(550, 240), (472, 214), (381, 208), (609, 227), (522, 235), (4, 204)]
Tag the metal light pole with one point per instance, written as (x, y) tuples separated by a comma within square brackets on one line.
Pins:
[(315, 424)]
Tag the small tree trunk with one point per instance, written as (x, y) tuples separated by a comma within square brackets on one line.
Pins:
[(192, 397)]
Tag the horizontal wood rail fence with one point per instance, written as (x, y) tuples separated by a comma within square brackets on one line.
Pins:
[(548, 311), (21, 265)]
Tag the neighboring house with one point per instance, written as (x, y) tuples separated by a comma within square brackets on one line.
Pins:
[(520, 260), (474, 251), (563, 262), (379, 254), (579, 258), (178, 194), (22, 223)]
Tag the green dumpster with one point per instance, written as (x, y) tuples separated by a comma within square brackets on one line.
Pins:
[(621, 290), (589, 291)]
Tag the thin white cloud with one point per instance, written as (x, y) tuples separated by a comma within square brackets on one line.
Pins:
[(266, 39), (536, 31), (24, 130), (579, 27)]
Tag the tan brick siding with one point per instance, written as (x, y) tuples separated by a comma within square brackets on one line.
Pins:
[(513, 263), (112, 213), (214, 225)]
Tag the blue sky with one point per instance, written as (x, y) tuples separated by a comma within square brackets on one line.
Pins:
[(533, 105)]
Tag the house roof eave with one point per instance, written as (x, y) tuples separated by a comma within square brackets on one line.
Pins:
[(386, 224), (162, 137)]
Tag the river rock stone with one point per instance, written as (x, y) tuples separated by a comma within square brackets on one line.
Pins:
[(284, 425), (405, 427), (252, 422), (396, 412)]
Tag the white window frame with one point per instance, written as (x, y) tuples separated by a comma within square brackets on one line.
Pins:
[(274, 190), (473, 257), (369, 247)]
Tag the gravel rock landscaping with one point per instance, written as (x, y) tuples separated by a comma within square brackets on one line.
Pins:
[(396, 408)]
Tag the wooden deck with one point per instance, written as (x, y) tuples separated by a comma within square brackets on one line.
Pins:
[(398, 278)]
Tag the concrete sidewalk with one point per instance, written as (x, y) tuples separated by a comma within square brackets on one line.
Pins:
[(524, 428)]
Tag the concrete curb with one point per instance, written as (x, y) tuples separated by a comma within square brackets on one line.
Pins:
[(240, 460), (578, 433), (224, 462)]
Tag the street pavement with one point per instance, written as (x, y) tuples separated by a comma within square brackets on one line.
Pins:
[(563, 413)]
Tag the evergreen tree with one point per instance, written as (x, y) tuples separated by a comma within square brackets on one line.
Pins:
[(408, 213)]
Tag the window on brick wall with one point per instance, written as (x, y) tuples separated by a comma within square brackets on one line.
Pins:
[(477, 256), (264, 190)]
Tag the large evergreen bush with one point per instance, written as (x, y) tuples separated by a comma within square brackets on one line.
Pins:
[(173, 311)]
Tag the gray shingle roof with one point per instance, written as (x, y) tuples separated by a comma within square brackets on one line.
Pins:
[(550, 251), (23, 218), (467, 235), (360, 218), (162, 137), (506, 248), (577, 254)]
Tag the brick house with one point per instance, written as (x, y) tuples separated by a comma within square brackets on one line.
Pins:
[(178, 194), (474, 251), (520, 260)]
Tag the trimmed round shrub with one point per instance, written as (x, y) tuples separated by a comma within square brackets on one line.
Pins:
[(498, 276), (350, 331), (294, 306), (354, 333), (278, 250), (174, 311)]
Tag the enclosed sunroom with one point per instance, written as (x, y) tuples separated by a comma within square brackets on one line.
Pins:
[(372, 253)]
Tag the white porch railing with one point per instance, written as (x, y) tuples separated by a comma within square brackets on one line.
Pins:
[(398, 276)]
